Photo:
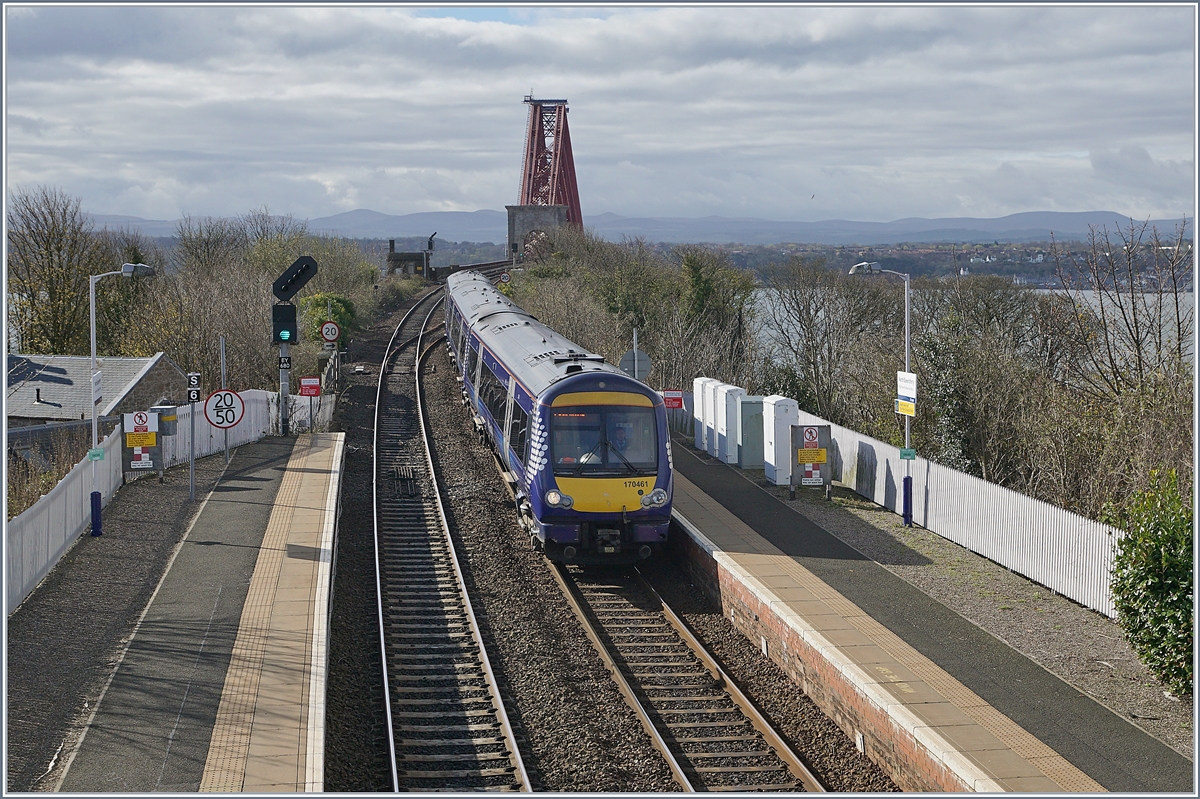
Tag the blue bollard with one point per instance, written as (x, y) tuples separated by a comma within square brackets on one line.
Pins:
[(96, 514), (908, 502)]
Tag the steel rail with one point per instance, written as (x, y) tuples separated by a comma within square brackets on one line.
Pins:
[(387, 699), (623, 684), (433, 659), (796, 766), (596, 619), (389, 352), (493, 687)]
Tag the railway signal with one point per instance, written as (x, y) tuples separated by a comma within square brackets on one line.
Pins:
[(294, 278), (283, 324)]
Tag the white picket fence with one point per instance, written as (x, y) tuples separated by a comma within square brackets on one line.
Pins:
[(38, 537), (1063, 551)]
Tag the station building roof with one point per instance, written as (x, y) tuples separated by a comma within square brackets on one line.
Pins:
[(56, 388)]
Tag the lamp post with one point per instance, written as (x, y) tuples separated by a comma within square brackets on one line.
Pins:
[(870, 268), (126, 270)]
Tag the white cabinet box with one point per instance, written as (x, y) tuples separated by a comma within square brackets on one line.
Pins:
[(779, 414), (727, 397)]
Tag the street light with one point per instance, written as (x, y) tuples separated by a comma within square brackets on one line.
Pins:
[(870, 268), (126, 270)]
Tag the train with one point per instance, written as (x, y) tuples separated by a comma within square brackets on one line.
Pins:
[(585, 446)]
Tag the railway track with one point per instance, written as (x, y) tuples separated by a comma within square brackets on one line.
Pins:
[(448, 729), (712, 736)]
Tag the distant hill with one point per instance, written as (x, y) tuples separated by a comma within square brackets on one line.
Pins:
[(492, 226)]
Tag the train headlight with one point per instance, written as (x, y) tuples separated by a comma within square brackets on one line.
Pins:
[(656, 498), (557, 499)]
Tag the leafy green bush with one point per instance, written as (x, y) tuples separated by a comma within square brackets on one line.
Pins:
[(315, 309), (1152, 578)]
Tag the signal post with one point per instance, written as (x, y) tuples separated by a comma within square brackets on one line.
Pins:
[(283, 324)]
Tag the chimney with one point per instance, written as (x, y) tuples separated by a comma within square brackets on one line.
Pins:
[(39, 395)]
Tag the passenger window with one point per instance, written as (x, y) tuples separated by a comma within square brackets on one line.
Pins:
[(472, 362), (518, 433), (493, 394)]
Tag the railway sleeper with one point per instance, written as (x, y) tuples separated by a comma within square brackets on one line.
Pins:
[(417, 714), (454, 727), (702, 755), (433, 667), (504, 771), (451, 700), (450, 742), (766, 786)]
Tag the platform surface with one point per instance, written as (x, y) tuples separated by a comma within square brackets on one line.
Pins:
[(222, 685), (1004, 713)]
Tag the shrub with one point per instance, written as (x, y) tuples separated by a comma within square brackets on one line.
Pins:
[(316, 308), (1152, 578), (395, 290)]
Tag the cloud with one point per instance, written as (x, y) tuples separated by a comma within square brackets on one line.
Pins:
[(881, 112)]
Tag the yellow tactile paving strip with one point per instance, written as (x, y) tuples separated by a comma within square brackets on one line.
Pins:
[(970, 737), (262, 740)]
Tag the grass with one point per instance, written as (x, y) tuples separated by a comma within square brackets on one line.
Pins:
[(29, 479)]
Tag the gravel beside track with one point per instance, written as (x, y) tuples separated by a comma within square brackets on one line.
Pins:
[(66, 639), (356, 748)]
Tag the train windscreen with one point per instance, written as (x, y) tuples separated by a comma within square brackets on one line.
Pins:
[(604, 440)]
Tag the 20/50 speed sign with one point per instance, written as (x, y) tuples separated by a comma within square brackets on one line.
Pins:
[(224, 408)]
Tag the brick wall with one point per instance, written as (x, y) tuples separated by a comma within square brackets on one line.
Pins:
[(888, 744)]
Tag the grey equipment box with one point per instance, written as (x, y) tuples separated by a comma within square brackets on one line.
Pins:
[(167, 420), (750, 432)]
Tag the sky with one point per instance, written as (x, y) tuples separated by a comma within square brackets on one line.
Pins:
[(783, 112)]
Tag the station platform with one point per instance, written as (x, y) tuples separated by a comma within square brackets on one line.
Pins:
[(222, 686), (939, 704)]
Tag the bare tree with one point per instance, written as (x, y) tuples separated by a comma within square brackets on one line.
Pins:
[(207, 247), (822, 321), (1131, 319), (51, 252)]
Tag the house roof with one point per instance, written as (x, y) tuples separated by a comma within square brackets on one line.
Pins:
[(63, 384)]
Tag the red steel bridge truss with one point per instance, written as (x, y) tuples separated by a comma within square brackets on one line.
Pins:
[(548, 177)]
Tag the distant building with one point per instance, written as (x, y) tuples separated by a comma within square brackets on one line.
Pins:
[(58, 388)]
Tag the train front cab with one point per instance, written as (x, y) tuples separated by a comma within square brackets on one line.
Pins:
[(604, 492)]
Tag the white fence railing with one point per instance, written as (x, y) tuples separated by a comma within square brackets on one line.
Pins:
[(38, 537), (1063, 551)]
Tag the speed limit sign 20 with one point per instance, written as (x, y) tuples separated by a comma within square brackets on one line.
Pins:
[(224, 408), (330, 331)]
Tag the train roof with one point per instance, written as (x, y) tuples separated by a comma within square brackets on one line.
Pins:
[(536, 355)]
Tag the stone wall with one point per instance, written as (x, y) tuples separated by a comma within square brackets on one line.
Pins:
[(164, 383), (526, 219)]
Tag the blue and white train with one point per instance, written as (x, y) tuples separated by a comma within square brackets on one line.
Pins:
[(587, 445)]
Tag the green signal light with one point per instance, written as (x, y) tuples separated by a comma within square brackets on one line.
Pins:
[(284, 335)]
